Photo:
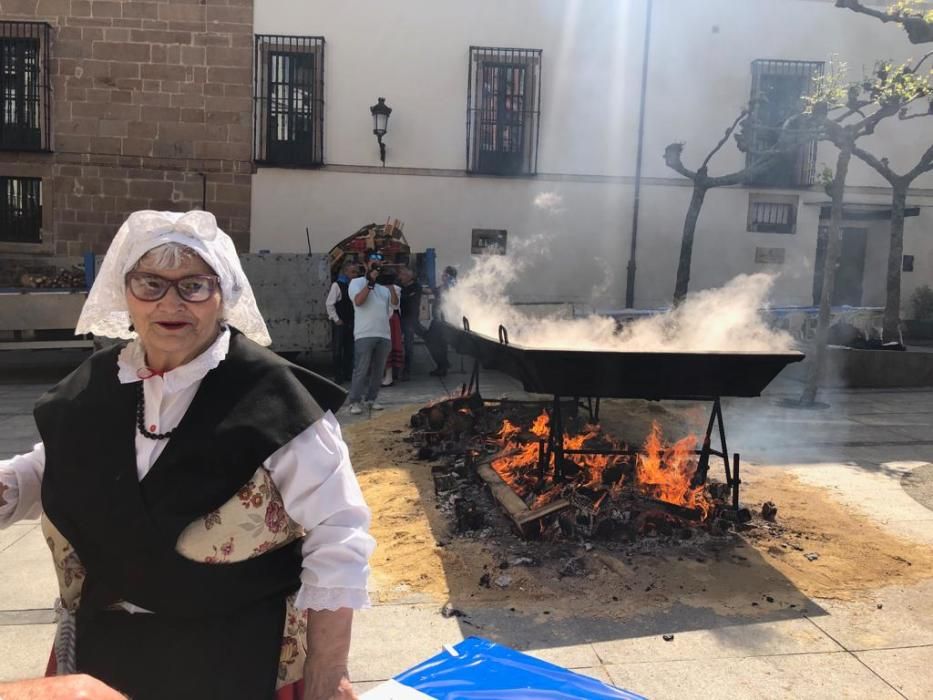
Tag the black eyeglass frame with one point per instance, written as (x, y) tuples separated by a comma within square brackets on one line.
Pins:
[(213, 285)]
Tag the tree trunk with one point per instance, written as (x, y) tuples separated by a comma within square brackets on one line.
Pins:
[(686, 243), (833, 246), (892, 304)]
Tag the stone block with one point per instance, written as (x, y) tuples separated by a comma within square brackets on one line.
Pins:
[(121, 51)]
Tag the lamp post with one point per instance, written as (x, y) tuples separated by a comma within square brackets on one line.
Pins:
[(381, 112)]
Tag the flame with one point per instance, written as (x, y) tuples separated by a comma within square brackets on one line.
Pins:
[(518, 460), (662, 472)]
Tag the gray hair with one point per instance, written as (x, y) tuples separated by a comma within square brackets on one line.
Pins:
[(168, 256)]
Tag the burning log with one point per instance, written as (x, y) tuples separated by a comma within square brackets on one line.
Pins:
[(517, 510), (648, 505)]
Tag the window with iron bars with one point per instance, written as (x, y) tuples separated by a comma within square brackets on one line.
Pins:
[(503, 110), (25, 92), (772, 214), (778, 92), (21, 209), (288, 94)]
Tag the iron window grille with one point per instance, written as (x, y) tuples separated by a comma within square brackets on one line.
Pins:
[(288, 94), (25, 87), (21, 209), (778, 92), (772, 214), (503, 110)]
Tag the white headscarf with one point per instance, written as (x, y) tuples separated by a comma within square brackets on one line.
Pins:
[(105, 312)]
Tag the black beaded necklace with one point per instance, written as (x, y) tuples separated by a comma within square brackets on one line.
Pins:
[(141, 417)]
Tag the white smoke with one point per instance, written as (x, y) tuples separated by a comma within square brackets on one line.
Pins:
[(550, 202), (716, 320)]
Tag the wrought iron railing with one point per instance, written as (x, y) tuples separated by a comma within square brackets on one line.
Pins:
[(772, 217), (20, 209), (288, 97), (25, 86), (778, 91), (503, 110)]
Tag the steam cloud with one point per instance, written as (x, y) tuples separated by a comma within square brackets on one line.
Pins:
[(550, 202), (727, 319)]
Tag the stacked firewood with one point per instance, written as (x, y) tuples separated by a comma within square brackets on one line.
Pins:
[(57, 279)]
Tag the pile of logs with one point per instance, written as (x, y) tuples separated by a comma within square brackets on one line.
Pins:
[(60, 279)]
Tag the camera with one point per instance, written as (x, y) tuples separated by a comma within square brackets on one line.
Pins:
[(386, 276)]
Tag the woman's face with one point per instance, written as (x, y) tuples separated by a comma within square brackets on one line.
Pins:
[(174, 331)]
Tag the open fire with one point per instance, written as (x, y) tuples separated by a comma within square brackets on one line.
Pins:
[(596, 486), (661, 472)]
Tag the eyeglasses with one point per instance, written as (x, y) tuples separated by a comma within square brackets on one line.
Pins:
[(376, 256), (146, 286)]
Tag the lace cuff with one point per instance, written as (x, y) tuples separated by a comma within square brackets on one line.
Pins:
[(315, 598)]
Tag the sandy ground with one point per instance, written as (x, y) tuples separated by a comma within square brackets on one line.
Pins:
[(817, 548)]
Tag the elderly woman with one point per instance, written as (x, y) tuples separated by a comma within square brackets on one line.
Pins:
[(208, 533)]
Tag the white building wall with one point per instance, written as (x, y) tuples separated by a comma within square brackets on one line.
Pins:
[(415, 54)]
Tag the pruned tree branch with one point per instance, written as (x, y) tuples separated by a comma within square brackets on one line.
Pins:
[(919, 115), (925, 165), (879, 164), (919, 30), (672, 159), (922, 61), (725, 138)]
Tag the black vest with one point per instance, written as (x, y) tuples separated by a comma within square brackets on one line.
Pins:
[(344, 307), (124, 530)]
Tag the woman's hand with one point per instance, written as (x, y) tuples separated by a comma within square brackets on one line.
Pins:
[(325, 672), (328, 684)]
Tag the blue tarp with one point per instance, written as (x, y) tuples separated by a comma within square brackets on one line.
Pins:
[(483, 670)]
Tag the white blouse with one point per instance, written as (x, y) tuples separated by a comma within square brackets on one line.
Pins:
[(312, 472)]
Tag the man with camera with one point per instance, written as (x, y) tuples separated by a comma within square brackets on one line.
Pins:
[(371, 333)]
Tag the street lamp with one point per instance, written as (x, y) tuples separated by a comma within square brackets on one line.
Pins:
[(381, 112)]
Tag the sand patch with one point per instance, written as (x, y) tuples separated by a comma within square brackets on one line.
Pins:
[(753, 575)]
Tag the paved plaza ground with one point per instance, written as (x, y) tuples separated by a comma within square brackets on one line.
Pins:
[(870, 451)]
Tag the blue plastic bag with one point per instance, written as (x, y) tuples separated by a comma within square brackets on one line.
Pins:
[(483, 670)]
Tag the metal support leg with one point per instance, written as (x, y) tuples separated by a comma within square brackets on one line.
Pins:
[(556, 439), (699, 476), (736, 481), (717, 407), (474, 379)]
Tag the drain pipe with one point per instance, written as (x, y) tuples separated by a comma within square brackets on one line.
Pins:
[(630, 276)]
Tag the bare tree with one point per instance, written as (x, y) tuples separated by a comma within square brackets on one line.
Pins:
[(900, 184), (916, 16), (790, 135), (845, 113), (702, 183)]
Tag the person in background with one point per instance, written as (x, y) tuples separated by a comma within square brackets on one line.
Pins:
[(340, 311), (434, 338), (410, 310), (371, 334), (396, 361)]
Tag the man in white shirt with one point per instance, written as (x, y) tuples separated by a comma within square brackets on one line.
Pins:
[(371, 334)]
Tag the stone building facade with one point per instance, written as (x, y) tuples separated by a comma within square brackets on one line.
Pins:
[(148, 105)]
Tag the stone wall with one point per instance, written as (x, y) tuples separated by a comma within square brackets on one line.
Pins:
[(146, 96)]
